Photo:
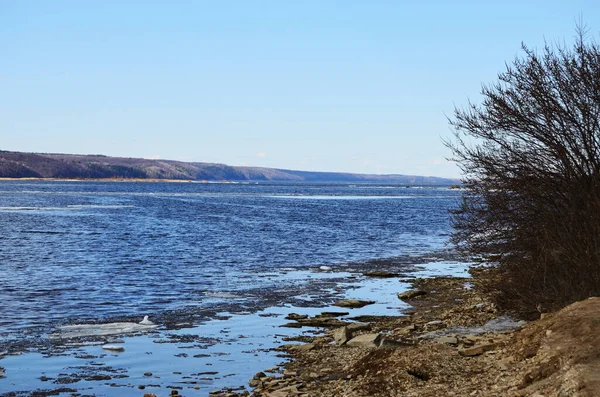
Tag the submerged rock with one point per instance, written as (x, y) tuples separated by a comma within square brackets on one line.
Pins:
[(296, 316), (381, 274), (332, 314)]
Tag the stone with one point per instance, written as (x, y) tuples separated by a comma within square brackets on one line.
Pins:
[(291, 325), (365, 340), (477, 349), (332, 314), (434, 322), (341, 335), (355, 327), (288, 373), (380, 274), (472, 338), (386, 343), (149, 395), (411, 294), (325, 322), (296, 316), (259, 375), (353, 303), (405, 330), (450, 340), (253, 382), (306, 347), (147, 373)]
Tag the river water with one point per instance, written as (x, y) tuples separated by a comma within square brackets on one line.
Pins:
[(227, 261)]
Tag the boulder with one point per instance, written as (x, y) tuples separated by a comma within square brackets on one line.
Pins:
[(411, 294), (355, 327), (353, 303), (365, 340), (341, 335)]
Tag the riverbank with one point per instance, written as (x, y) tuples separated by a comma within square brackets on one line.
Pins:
[(453, 343)]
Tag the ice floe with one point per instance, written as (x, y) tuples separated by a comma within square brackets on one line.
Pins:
[(83, 330)]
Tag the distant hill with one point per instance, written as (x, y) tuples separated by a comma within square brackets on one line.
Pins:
[(69, 166)]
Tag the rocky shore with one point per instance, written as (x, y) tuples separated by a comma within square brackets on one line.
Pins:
[(453, 343)]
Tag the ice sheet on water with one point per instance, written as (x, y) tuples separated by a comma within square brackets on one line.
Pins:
[(83, 330)]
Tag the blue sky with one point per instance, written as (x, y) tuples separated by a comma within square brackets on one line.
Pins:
[(354, 86)]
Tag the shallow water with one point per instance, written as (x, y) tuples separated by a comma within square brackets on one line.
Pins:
[(78, 252)]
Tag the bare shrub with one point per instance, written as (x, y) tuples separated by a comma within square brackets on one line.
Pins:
[(530, 155)]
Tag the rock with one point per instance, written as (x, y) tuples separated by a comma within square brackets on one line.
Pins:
[(259, 375), (353, 303), (332, 314), (98, 377), (115, 348), (477, 349), (288, 373), (341, 335), (380, 274), (306, 347), (450, 340), (411, 294), (292, 325), (253, 382), (325, 322), (355, 327), (149, 395), (296, 316), (470, 340), (272, 383), (406, 330), (147, 373), (365, 340), (386, 343)]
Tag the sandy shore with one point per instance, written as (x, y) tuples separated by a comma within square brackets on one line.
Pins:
[(454, 343)]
